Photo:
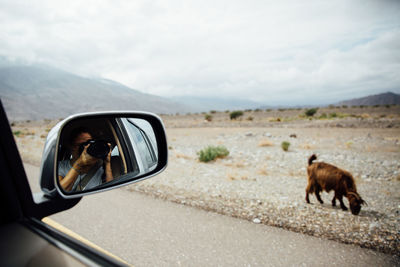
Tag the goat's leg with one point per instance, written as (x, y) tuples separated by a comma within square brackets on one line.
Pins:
[(318, 196), (341, 203), (308, 190), (334, 200)]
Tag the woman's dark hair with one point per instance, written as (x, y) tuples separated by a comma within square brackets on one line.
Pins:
[(76, 132)]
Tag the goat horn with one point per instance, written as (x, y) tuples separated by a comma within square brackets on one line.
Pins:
[(363, 202), (355, 194)]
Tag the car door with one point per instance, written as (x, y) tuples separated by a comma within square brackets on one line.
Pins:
[(25, 239)]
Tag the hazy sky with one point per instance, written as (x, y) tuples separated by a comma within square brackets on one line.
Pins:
[(275, 52)]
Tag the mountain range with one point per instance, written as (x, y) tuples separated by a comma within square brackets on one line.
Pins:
[(38, 92), (34, 92), (388, 98)]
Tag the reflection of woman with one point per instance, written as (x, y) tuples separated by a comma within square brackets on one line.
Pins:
[(82, 171)]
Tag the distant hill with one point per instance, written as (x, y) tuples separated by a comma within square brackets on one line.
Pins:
[(206, 104), (388, 98), (38, 92)]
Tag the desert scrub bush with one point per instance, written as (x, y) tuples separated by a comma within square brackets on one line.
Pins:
[(365, 116), (208, 117), (250, 118), (235, 114), (17, 133), (310, 112), (323, 116), (212, 152), (285, 145), (333, 115), (265, 142), (349, 144), (213, 111)]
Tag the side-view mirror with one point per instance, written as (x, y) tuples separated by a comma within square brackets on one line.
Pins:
[(92, 152)]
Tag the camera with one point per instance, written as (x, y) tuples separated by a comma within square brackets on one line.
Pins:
[(97, 148)]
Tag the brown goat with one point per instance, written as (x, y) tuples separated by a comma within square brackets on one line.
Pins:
[(324, 176)]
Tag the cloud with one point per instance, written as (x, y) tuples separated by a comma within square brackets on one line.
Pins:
[(286, 52)]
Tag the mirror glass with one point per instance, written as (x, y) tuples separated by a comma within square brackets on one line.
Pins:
[(96, 153)]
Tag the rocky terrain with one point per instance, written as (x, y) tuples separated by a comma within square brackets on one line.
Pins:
[(260, 182)]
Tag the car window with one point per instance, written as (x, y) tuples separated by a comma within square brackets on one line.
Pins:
[(145, 147), (115, 151)]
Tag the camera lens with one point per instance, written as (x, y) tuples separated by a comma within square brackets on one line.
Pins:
[(98, 149)]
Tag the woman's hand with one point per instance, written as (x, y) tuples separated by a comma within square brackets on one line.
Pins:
[(108, 157), (85, 160), (107, 164)]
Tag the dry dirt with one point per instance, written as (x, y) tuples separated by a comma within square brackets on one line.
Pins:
[(260, 182)]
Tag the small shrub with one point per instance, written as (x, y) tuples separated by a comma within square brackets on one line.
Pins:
[(250, 118), (344, 106), (236, 114), (265, 142), (365, 116), (323, 116), (212, 152), (333, 115), (17, 133), (263, 170), (349, 144), (208, 117), (285, 145), (213, 111), (310, 112)]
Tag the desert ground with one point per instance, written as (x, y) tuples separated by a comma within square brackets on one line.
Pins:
[(260, 182)]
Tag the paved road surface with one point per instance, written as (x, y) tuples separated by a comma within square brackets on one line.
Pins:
[(151, 232)]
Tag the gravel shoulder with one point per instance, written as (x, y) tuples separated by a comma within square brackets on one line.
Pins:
[(264, 184), (261, 183)]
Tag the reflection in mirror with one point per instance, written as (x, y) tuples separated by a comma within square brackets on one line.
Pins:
[(101, 152)]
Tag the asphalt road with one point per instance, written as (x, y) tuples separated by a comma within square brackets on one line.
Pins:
[(151, 232)]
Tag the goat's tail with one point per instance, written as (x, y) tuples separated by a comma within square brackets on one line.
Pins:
[(311, 159)]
